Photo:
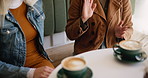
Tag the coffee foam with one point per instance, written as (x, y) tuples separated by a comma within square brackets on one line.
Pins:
[(74, 64), (130, 45)]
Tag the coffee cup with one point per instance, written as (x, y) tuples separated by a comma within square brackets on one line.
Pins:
[(74, 67), (130, 50)]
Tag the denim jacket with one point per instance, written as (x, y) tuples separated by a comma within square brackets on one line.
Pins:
[(13, 43)]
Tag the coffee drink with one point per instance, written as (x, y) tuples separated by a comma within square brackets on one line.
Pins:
[(129, 50), (73, 63), (74, 67), (130, 45)]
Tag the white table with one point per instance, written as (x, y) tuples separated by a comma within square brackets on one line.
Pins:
[(105, 65)]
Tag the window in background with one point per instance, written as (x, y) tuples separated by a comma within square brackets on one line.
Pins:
[(140, 17)]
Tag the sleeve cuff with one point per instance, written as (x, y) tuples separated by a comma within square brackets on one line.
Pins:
[(119, 39), (84, 26), (30, 73)]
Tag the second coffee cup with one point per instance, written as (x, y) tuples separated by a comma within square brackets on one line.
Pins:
[(129, 50)]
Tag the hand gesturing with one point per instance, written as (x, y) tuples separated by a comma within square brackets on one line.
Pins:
[(120, 30), (88, 9)]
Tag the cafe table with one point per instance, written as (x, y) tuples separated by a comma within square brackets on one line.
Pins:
[(103, 64)]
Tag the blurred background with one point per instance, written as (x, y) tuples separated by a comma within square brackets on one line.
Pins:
[(58, 46), (56, 17), (140, 16)]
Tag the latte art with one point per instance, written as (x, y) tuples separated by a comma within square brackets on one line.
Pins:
[(130, 45), (74, 64)]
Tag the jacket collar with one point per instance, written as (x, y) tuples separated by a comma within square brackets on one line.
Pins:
[(99, 10), (114, 5)]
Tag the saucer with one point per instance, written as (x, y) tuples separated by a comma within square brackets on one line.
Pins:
[(140, 58), (88, 74)]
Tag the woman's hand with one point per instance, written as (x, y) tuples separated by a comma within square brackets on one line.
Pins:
[(42, 72), (120, 30), (88, 9)]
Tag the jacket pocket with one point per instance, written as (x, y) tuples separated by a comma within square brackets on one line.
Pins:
[(7, 33), (8, 30)]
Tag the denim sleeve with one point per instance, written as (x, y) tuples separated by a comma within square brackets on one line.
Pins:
[(11, 71)]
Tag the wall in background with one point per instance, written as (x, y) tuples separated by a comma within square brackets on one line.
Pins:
[(140, 24), (55, 40), (140, 17)]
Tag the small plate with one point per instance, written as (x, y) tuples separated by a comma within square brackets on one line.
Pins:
[(88, 74), (140, 58)]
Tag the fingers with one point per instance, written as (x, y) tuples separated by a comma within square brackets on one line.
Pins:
[(43, 72), (121, 24), (47, 69), (91, 2), (45, 75), (121, 27), (94, 6), (87, 1), (120, 35), (120, 30), (124, 28)]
